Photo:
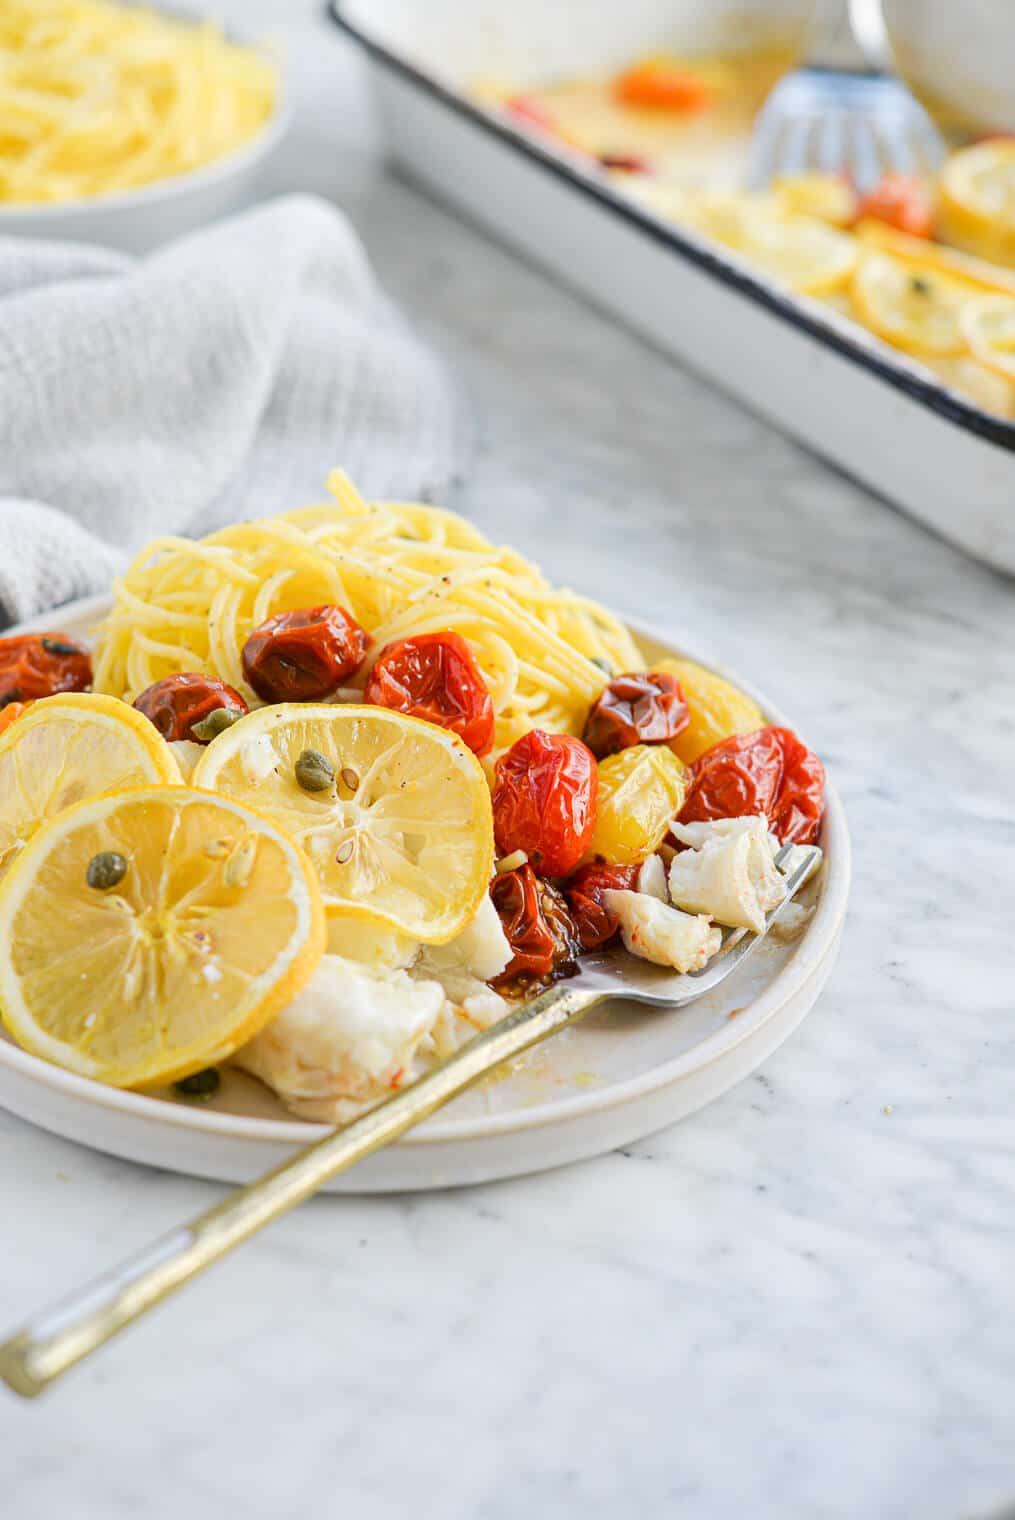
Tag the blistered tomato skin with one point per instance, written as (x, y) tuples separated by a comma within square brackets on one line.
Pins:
[(801, 802), (584, 892), (434, 676), (544, 801), (640, 708), (538, 925), (769, 771), (177, 703), (304, 656), (39, 665)]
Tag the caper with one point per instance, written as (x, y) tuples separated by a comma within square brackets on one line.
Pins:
[(214, 723), (105, 870), (57, 646), (314, 771), (200, 1084)]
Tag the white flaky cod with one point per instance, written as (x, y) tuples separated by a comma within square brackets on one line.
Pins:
[(364, 1024)]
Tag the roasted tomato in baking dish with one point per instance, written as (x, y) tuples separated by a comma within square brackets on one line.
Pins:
[(903, 203), (544, 800), (584, 892), (41, 664), (770, 771), (538, 925), (304, 656), (641, 708), (190, 706), (434, 676)]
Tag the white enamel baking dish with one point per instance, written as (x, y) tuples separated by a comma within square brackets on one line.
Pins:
[(814, 374)]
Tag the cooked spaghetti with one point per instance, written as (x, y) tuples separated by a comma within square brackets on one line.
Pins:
[(97, 98), (400, 569)]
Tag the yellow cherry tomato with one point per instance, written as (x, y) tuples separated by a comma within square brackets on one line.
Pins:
[(640, 791)]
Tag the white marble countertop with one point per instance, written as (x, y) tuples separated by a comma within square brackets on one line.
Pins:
[(800, 1302)]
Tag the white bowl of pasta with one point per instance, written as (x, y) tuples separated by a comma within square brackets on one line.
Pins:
[(177, 137), (410, 573)]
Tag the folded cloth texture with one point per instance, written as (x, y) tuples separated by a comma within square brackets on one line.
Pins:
[(219, 378)]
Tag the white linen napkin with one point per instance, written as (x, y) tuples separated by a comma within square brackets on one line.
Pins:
[(219, 378)]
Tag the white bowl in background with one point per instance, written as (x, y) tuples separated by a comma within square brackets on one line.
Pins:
[(959, 60), (135, 221)]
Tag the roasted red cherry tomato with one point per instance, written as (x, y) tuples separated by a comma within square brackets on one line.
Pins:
[(435, 676), (903, 203), (641, 708), (796, 818), (538, 925), (304, 656), (584, 892), (660, 86), (185, 706), (41, 664), (544, 800), (769, 771), (625, 163)]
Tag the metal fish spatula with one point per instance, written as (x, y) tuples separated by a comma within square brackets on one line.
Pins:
[(58, 1338), (844, 111)]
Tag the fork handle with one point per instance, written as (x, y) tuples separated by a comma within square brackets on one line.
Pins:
[(55, 1340), (835, 42)]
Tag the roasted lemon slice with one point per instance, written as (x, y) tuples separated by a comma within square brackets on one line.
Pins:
[(827, 196), (66, 748), (915, 310), (147, 934), (393, 812), (799, 251), (921, 253), (988, 326), (976, 200)]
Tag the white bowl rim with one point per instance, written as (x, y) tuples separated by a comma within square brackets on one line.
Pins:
[(817, 940)]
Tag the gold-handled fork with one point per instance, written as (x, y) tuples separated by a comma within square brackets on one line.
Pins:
[(55, 1340)]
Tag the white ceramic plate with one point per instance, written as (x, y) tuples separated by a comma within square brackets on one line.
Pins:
[(619, 1076)]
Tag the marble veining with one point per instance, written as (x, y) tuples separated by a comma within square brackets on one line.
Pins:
[(800, 1302)]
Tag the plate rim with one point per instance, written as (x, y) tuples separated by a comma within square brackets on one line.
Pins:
[(817, 941)]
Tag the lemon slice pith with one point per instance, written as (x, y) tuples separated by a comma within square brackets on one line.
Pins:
[(213, 927), (404, 833), (69, 747)]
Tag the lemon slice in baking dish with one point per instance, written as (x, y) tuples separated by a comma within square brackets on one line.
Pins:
[(393, 812), (800, 251), (149, 933), (976, 200), (988, 326), (915, 310), (66, 748)]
